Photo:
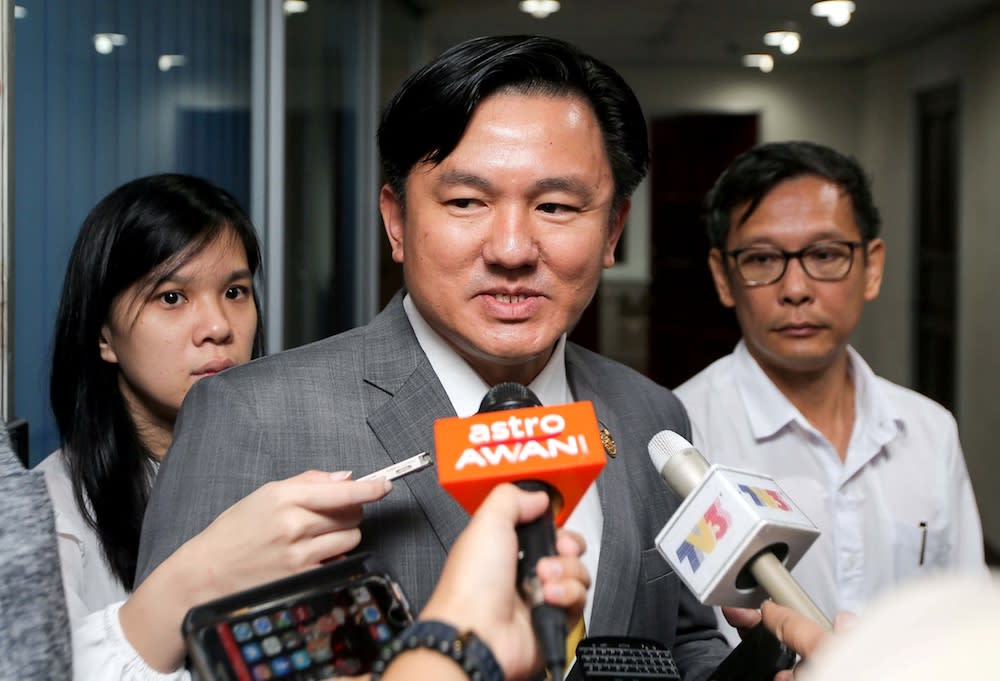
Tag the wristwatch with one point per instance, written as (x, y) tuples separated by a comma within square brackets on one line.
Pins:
[(465, 649)]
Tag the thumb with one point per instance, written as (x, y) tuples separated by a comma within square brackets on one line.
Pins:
[(506, 503)]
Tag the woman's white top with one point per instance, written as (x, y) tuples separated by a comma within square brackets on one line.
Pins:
[(93, 594)]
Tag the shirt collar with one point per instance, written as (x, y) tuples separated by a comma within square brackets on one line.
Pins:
[(769, 410), (883, 420), (465, 387)]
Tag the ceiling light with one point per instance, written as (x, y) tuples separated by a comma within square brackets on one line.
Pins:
[(105, 43), (837, 12), (538, 8), (764, 62), (170, 61), (295, 6), (786, 41), (20, 12)]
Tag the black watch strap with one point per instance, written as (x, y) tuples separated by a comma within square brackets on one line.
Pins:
[(465, 649)]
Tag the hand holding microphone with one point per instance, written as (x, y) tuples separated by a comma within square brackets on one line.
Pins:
[(725, 540), (476, 590), (514, 439)]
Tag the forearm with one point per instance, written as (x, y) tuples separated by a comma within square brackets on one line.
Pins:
[(151, 618), (424, 664)]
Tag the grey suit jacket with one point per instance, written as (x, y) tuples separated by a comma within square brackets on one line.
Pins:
[(366, 398)]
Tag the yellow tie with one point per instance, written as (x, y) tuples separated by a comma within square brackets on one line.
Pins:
[(572, 639), (577, 634)]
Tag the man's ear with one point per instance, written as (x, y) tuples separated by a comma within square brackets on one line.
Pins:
[(721, 277), (392, 218), (874, 267), (105, 346), (618, 221)]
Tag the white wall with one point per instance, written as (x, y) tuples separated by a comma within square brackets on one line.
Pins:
[(823, 105), (793, 102), (970, 56)]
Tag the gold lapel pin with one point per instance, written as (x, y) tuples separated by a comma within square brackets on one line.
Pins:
[(609, 442)]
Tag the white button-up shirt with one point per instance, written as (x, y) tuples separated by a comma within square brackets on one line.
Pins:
[(899, 505)]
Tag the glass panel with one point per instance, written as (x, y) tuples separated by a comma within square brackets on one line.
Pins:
[(321, 143), (88, 121)]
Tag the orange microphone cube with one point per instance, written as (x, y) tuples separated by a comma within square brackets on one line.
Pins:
[(559, 445)]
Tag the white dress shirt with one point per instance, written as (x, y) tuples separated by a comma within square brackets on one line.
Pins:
[(466, 390), (898, 506)]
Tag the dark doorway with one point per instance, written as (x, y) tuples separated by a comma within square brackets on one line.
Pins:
[(688, 327), (936, 267)]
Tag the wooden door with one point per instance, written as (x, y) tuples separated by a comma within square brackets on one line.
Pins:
[(688, 327)]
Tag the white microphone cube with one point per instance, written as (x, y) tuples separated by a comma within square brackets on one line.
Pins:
[(728, 519)]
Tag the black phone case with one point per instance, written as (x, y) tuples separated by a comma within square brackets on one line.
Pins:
[(280, 613), (622, 658), (758, 657)]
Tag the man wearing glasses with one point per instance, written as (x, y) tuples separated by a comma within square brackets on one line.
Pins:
[(794, 250)]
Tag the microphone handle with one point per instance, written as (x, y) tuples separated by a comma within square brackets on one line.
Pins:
[(771, 574), (536, 540)]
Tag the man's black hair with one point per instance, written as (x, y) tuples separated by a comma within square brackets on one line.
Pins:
[(756, 172), (428, 116)]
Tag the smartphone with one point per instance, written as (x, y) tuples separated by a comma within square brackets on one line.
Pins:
[(404, 467), (623, 658), (758, 657), (328, 622)]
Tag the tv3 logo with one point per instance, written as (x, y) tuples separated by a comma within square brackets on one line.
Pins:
[(715, 522)]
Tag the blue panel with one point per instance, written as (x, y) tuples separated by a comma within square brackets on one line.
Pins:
[(85, 123), (31, 332)]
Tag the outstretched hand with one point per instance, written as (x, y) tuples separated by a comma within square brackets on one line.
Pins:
[(285, 527), (799, 633), (282, 528)]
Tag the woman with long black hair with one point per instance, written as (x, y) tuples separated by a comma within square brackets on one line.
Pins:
[(159, 294)]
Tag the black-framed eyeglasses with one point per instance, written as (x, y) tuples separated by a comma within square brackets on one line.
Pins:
[(823, 261)]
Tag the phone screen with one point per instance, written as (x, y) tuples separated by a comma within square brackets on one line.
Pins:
[(307, 636)]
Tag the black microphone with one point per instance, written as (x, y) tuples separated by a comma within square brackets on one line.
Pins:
[(536, 540), (735, 532)]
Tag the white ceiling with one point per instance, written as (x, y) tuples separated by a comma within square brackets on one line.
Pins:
[(716, 32)]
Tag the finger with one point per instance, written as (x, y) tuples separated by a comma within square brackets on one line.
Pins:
[(785, 675), (554, 568), (796, 631), (297, 523), (332, 495), (570, 543), (569, 594), (742, 618), (324, 547)]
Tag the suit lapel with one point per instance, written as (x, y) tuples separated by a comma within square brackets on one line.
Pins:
[(618, 571), (401, 413)]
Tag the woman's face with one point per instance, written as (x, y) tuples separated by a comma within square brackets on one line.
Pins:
[(200, 320)]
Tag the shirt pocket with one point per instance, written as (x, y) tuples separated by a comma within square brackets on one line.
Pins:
[(659, 593), (919, 549), (654, 567)]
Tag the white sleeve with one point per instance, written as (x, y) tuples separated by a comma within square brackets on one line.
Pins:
[(965, 525), (71, 565), (102, 653), (69, 534)]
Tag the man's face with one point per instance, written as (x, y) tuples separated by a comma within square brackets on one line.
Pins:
[(503, 242), (798, 325)]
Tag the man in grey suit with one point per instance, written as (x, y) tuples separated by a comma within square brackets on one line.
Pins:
[(509, 165)]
